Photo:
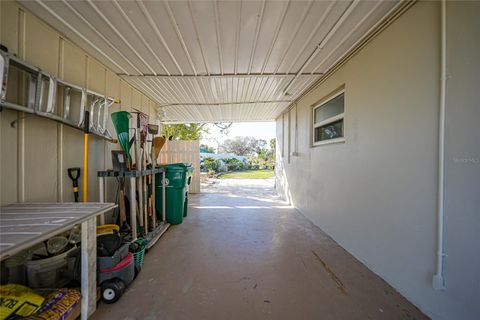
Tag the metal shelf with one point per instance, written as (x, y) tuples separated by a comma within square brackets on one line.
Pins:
[(133, 176), (131, 173)]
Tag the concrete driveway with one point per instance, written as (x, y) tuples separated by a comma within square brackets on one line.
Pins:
[(240, 186), (242, 253)]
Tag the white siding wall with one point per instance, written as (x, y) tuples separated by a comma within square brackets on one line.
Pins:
[(35, 155), (375, 194)]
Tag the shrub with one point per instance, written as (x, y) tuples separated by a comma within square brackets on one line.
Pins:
[(234, 164), (212, 164), (209, 163), (211, 173)]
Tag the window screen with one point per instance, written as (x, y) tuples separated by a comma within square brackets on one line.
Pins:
[(328, 122)]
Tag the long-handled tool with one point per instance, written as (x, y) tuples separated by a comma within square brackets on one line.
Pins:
[(158, 143), (135, 141), (74, 174), (87, 124), (153, 130), (121, 203), (141, 132), (121, 122), (142, 119), (86, 132)]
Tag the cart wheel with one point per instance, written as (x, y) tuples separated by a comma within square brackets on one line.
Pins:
[(112, 290)]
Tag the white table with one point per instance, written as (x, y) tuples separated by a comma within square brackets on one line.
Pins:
[(24, 225)]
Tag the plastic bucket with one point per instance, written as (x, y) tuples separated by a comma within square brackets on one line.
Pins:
[(107, 228)]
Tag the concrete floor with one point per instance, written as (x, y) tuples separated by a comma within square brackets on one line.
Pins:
[(244, 254)]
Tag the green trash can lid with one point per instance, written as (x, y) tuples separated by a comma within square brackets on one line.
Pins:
[(175, 167), (180, 164)]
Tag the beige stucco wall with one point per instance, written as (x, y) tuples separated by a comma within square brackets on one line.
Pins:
[(35, 155), (375, 194)]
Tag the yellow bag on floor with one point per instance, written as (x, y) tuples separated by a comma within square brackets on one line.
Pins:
[(18, 300), (59, 305)]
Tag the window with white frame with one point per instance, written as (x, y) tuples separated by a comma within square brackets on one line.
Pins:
[(328, 125)]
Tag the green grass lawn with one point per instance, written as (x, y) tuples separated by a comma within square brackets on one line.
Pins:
[(248, 174)]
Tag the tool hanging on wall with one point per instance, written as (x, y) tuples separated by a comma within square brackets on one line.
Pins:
[(86, 131), (90, 124), (74, 174), (48, 97)]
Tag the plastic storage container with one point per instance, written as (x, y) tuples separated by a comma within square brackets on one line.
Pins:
[(48, 273), (176, 184), (16, 271)]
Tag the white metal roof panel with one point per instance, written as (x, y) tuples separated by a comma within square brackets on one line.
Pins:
[(216, 60)]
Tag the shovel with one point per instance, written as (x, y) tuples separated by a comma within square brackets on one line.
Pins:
[(74, 174), (158, 143)]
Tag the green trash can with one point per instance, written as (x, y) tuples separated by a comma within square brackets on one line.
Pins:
[(189, 168), (185, 204), (176, 184)]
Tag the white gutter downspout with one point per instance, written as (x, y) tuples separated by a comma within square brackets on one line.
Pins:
[(438, 279)]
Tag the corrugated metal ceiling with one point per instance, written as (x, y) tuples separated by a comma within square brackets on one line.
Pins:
[(216, 60)]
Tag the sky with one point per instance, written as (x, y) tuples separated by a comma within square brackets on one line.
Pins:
[(259, 130)]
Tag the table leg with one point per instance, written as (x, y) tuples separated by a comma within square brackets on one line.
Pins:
[(133, 209), (89, 267), (101, 188)]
